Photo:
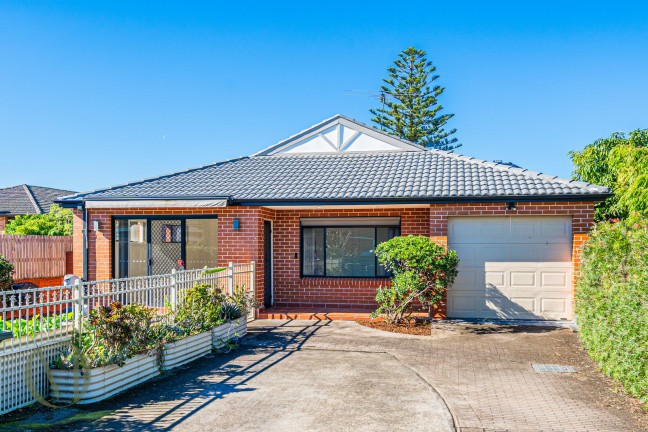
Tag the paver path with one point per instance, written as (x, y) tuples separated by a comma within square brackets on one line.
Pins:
[(485, 375)]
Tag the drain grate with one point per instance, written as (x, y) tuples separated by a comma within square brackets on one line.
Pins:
[(553, 368)]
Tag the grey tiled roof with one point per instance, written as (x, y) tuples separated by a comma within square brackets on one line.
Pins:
[(430, 174), (26, 199)]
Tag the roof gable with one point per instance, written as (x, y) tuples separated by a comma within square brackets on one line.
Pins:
[(340, 134)]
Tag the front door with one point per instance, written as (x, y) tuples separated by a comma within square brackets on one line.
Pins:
[(165, 245), (267, 264)]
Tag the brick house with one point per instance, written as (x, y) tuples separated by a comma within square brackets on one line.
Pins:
[(26, 199), (310, 210)]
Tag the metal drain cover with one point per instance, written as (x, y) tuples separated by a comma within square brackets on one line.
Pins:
[(553, 368)]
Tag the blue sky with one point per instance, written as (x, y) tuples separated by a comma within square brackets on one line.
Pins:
[(99, 93)]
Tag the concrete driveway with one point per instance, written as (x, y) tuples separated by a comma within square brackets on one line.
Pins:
[(342, 376)]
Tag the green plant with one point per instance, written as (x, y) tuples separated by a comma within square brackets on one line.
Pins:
[(422, 271), (6, 274), (238, 304), (58, 222), (199, 309), (619, 162), (612, 302), (36, 324), (112, 335)]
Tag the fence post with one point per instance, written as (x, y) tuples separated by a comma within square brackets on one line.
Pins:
[(230, 288), (78, 305), (174, 291), (252, 276)]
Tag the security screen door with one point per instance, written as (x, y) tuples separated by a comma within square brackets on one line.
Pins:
[(156, 245), (166, 245)]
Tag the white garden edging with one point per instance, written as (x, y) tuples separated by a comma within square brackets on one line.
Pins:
[(96, 384), (186, 350), (227, 331)]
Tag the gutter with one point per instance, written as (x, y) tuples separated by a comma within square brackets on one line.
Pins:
[(445, 200)]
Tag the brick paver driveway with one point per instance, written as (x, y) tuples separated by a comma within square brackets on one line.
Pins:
[(484, 373)]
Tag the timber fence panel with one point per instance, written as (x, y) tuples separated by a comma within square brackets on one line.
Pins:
[(36, 256)]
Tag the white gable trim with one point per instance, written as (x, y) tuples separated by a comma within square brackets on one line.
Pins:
[(362, 138)]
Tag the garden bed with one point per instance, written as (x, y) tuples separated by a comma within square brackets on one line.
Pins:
[(186, 350), (225, 332), (96, 384), (411, 328)]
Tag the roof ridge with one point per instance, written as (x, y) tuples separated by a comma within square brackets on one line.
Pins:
[(523, 171), (149, 179), (32, 198)]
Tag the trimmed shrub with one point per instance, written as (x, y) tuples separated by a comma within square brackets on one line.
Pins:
[(612, 302), (422, 271)]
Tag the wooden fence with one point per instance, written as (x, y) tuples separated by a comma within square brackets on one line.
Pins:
[(36, 256)]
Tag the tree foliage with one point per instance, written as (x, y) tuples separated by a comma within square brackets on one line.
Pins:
[(612, 301), (411, 109), (422, 271), (6, 273), (619, 162), (58, 222)]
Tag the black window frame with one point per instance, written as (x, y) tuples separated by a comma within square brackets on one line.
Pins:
[(301, 249), (183, 228)]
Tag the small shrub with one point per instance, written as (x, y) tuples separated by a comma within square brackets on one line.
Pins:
[(612, 302), (199, 309), (36, 324), (6, 274), (239, 304), (113, 334), (422, 271)]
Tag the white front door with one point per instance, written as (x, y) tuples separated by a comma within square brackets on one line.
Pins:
[(512, 267)]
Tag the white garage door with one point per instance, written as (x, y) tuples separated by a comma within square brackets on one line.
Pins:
[(511, 267)]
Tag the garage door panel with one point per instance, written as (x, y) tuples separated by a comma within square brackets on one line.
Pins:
[(469, 279), (524, 273), (465, 303), (496, 278), (522, 279)]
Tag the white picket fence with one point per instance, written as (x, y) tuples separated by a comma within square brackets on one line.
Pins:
[(36, 256), (25, 357)]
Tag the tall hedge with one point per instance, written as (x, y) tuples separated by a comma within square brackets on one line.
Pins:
[(612, 302)]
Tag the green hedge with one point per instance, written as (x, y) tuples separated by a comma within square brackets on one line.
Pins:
[(612, 302)]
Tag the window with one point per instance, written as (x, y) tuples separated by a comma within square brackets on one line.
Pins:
[(150, 245), (343, 251)]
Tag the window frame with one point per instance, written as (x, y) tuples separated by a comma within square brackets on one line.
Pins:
[(301, 249), (148, 218)]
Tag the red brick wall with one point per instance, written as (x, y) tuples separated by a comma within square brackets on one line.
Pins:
[(290, 289), (3, 222)]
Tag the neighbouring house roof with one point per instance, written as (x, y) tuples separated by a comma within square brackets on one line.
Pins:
[(344, 160), (27, 199)]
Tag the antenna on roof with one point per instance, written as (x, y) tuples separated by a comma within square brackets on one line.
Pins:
[(381, 95)]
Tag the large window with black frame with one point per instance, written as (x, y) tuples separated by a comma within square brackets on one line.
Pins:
[(150, 245), (344, 247)]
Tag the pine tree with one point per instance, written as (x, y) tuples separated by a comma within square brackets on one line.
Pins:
[(410, 108)]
